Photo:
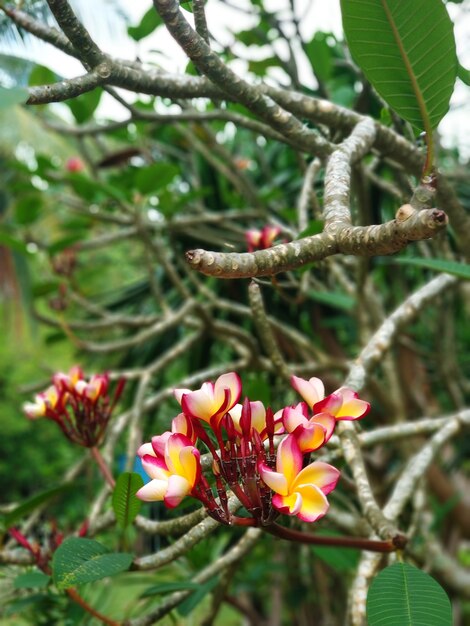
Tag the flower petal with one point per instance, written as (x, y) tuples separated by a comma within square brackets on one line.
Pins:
[(331, 404), (327, 421), (178, 488), (35, 409), (293, 418), (310, 437), (258, 416), (353, 407), (275, 481), (199, 404), (146, 448), (314, 503), (182, 424), (320, 474), (233, 383), (190, 463), (289, 459), (159, 443), (178, 393), (312, 391), (179, 462), (289, 505), (235, 414), (155, 467), (154, 490)]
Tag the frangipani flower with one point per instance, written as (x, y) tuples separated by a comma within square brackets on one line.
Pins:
[(179, 425), (311, 433), (212, 400), (68, 381), (343, 404), (42, 402), (174, 474), (97, 386), (299, 492)]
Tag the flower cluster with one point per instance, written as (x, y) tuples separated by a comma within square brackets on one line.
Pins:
[(241, 440), (261, 239), (82, 408)]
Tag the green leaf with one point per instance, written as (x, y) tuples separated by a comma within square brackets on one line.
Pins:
[(402, 594), (10, 97), (85, 105), (125, 503), (337, 558), (31, 580), (27, 208), (169, 587), (260, 67), (406, 49), (150, 179), (42, 75), (147, 25), (320, 56), (31, 504), (77, 561), (12, 242), (335, 299), (462, 270), (188, 605), (187, 5), (314, 227)]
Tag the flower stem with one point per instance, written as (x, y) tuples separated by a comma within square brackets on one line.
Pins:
[(391, 545), (103, 466), (76, 597)]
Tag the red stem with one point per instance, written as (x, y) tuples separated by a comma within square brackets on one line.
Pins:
[(391, 545), (103, 467), (76, 597)]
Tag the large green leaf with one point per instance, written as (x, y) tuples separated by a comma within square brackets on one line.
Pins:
[(406, 49), (402, 595), (77, 561), (125, 503)]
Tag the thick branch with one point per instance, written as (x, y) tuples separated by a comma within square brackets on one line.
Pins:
[(77, 34), (367, 241)]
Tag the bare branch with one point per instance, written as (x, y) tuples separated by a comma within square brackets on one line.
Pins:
[(69, 88)]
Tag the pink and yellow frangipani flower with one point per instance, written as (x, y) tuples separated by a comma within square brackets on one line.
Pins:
[(48, 399), (343, 404), (179, 425), (299, 492), (68, 381), (173, 474), (312, 390), (212, 400), (98, 385), (311, 433)]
